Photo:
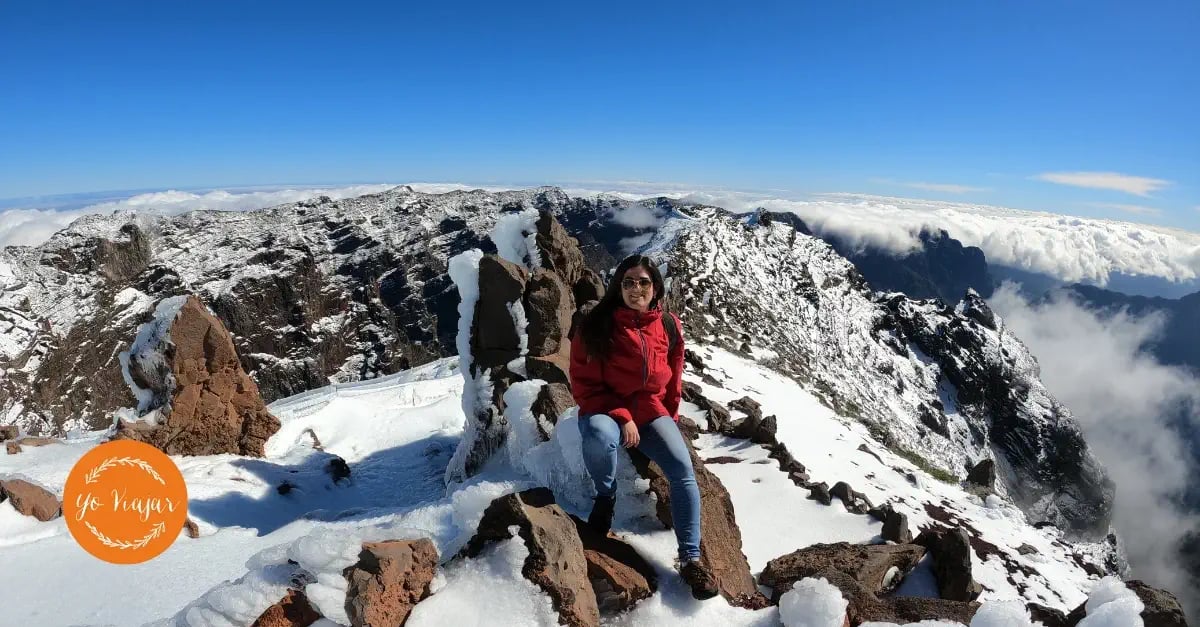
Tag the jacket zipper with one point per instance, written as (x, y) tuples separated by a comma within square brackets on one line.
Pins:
[(645, 357)]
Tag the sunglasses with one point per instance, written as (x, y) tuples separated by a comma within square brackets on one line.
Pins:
[(631, 283)]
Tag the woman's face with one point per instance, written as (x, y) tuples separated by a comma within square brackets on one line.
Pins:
[(637, 288)]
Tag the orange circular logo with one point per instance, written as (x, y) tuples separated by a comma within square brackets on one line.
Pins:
[(125, 502)]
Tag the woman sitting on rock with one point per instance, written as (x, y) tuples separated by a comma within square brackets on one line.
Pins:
[(626, 376)]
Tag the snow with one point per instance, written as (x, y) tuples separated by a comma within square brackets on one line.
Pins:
[(147, 351), (812, 603), (494, 575), (515, 236), (1112, 604), (397, 434)]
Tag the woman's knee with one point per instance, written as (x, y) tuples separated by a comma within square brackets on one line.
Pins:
[(600, 428)]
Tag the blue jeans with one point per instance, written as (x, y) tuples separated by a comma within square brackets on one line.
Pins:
[(664, 445)]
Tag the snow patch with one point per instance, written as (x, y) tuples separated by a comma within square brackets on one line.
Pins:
[(147, 351), (812, 603), (515, 236)]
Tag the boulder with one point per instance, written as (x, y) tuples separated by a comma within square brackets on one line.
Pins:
[(8, 432), (548, 310), (865, 606), (551, 368), (895, 528), (819, 492), (389, 579), (494, 339), (721, 540), (854, 502), (983, 474), (293, 610), (951, 551), (1162, 608), (719, 419), (206, 404), (878, 568), (560, 252), (556, 561), (30, 500), (12, 448), (588, 288), (1047, 616), (191, 528), (620, 577), (552, 400)]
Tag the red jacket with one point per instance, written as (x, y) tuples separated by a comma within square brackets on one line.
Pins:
[(639, 381)]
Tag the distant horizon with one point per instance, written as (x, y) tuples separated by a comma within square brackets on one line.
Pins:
[(1136, 259)]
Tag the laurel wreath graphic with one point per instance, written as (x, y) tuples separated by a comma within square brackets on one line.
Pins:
[(94, 475), (123, 544)]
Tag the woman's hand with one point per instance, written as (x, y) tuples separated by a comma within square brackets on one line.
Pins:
[(629, 435)]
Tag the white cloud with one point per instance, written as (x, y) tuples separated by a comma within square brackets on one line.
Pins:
[(1123, 399), (1134, 209), (1136, 185), (637, 217), (948, 188), (31, 227), (1068, 248)]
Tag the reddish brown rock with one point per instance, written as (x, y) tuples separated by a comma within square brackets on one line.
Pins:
[(192, 530), (620, 577), (389, 579), (720, 538), (556, 561), (548, 310), (559, 251), (494, 339), (12, 448), (213, 406), (877, 568), (293, 610), (864, 606), (30, 499), (552, 400)]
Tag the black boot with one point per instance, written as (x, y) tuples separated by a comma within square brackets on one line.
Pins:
[(601, 517), (697, 577)]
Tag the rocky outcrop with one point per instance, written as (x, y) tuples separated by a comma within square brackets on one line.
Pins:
[(510, 295), (388, 580), (877, 568), (556, 562), (293, 610), (951, 551), (8, 432), (1162, 608), (721, 542), (1045, 452), (896, 529), (983, 474), (186, 371), (30, 500), (551, 402), (620, 577)]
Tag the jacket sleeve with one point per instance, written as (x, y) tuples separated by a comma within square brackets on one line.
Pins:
[(675, 386), (588, 387)]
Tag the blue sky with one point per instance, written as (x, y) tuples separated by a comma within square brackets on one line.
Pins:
[(956, 101)]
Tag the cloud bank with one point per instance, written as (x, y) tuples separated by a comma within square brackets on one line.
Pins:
[(1068, 248), (1136, 185), (1124, 399)]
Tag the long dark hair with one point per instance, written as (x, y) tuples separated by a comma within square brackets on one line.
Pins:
[(596, 326)]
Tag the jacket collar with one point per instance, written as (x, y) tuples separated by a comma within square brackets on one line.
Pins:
[(626, 317)]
